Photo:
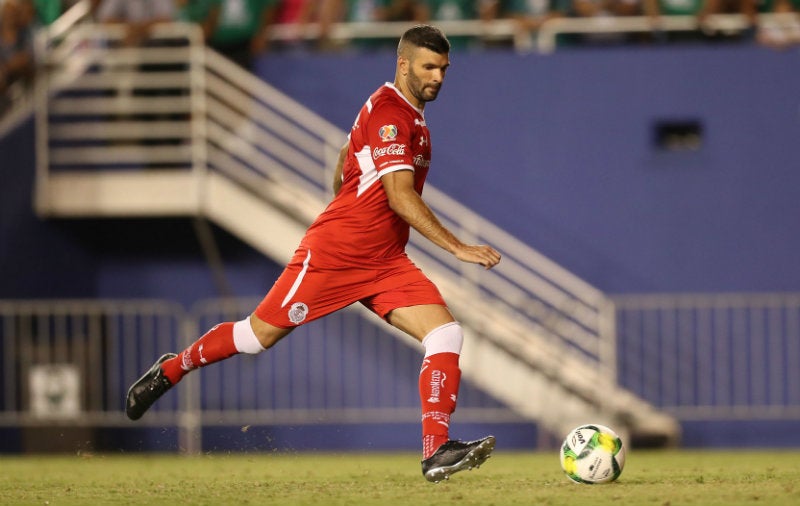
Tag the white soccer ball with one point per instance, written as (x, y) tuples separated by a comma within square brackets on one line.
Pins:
[(592, 454)]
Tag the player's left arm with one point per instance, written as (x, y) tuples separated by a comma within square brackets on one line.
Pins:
[(408, 204), (337, 173)]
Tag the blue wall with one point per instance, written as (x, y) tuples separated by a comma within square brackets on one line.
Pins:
[(35, 257), (559, 150), (556, 149)]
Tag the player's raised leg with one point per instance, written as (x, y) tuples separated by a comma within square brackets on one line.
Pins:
[(250, 335)]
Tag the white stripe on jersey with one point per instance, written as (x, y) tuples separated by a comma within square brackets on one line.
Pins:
[(395, 168), (369, 176), (368, 173), (297, 281)]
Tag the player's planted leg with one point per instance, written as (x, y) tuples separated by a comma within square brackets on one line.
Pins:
[(455, 456), (439, 380)]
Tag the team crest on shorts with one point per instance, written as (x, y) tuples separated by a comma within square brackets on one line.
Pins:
[(388, 133), (298, 313)]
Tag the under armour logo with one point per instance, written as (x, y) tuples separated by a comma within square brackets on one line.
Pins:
[(423, 140)]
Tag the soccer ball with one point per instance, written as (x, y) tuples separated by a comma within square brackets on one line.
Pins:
[(592, 454)]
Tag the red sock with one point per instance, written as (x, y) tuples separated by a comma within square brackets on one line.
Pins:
[(215, 345), (438, 389)]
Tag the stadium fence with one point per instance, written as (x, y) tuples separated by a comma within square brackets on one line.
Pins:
[(70, 362)]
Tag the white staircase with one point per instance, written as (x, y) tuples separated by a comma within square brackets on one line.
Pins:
[(259, 164)]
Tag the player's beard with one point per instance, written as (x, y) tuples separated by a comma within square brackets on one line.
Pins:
[(421, 91)]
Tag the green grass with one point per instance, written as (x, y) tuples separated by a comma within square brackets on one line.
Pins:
[(662, 478)]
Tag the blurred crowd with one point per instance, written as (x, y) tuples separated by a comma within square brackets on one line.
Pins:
[(242, 29)]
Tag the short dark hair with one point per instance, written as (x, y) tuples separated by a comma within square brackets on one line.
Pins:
[(426, 36)]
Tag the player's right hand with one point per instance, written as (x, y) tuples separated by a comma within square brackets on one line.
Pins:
[(481, 254)]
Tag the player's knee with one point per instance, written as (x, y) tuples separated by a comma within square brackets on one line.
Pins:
[(253, 336), (245, 339), (447, 338), (266, 334)]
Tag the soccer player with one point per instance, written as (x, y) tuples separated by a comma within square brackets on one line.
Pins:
[(355, 252)]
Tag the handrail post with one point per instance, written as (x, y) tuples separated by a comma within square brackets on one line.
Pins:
[(607, 327), (190, 428), (198, 116), (41, 119)]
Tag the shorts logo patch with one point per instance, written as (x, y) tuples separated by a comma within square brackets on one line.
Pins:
[(388, 133), (298, 313)]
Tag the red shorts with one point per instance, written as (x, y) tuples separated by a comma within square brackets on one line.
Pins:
[(305, 291)]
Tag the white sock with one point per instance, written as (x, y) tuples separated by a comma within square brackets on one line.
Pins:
[(446, 338), (245, 339)]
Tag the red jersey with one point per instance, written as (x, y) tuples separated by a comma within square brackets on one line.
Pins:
[(355, 250), (358, 226)]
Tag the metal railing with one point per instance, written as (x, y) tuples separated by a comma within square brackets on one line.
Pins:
[(547, 36), (70, 363), (543, 40), (723, 356)]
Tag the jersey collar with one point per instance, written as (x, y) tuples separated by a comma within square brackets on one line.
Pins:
[(400, 94)]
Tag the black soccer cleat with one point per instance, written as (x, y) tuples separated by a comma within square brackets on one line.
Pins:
[(455, 456), (147, 389)]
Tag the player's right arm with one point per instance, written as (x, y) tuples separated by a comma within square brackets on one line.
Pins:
[(408, 204)]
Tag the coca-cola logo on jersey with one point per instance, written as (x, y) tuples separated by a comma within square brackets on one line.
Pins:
[(391, 149)]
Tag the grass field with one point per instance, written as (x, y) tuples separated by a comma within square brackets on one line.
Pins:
[(663, 478)]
